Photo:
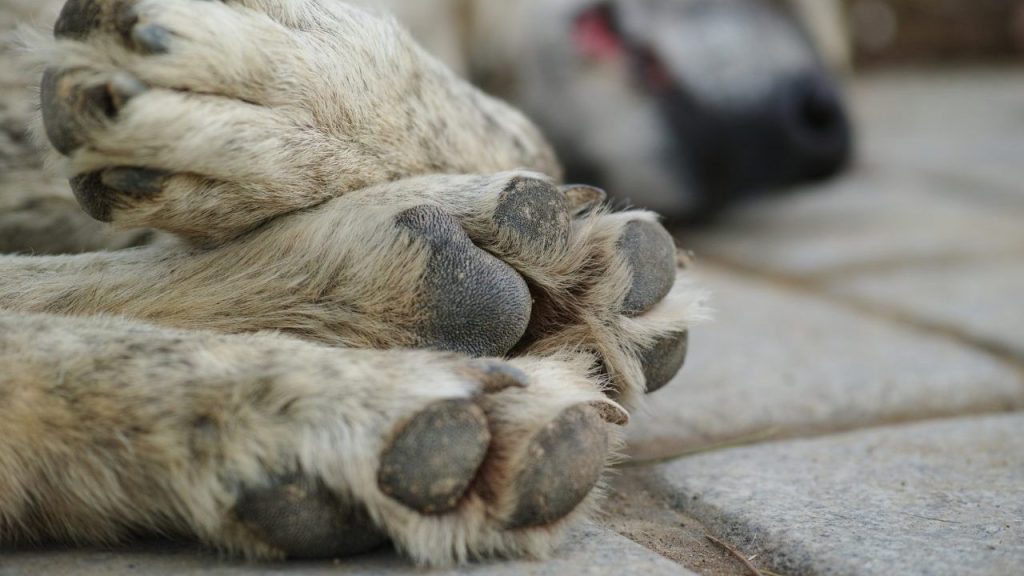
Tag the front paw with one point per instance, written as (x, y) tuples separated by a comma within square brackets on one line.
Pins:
[(602, 283), (446, 475), (207, 119)]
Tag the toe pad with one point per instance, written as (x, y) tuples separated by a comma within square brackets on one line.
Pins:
[(566, 460), (435, 457)]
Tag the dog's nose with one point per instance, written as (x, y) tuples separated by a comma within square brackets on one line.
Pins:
[(815, 126)]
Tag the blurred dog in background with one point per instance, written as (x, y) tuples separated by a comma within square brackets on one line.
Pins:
[(681, 106)]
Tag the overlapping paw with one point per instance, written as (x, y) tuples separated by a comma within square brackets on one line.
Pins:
[(453, 478)]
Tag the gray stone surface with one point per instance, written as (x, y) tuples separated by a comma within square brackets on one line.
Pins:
[(777, 362), (869, 219), (983, 300), (939, 498), (962, 126), (591, 551)]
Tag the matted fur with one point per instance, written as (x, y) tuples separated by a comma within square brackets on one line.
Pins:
[(112, 426)]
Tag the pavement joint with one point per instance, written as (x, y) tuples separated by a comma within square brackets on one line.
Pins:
[(815, 287)]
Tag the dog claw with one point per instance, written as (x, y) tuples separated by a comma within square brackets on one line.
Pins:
[(136, 182), (583, 198), (151, 39)]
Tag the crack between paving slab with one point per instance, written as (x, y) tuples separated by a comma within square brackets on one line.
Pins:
[(642, 507), (819, 279), (995, 350), (766, 435), (808, 433), (951, 185)]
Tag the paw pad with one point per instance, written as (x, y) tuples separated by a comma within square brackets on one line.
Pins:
[(651, 253), (534, 211), (567, 458), (304, 519), (478, 304), (434, 458), (662, 361)]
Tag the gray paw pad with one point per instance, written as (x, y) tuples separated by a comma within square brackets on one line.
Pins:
[(534, 211), (566, 460), (434, 458), (305, 520), (662, 361), (651, 253), (478, 305)]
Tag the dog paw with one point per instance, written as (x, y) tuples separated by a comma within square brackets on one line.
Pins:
[(602, 283), (457, 459), (209, 118)]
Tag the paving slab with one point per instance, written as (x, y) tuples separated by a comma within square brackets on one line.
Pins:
[(776, 362), (590, 551), (867, 219), (982, 300), (937, 498)]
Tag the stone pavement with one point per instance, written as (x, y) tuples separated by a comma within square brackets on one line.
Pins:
[(857, 407), (592, 551), (868, 355)]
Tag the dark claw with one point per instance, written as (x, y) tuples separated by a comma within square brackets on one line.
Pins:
[(122, 88), (583, 198), (478, 304), (306, 521), (662, 361), (151, 39), (65, 105), (58, 120), (567, 458), (498, 376), (77, 19), (93, 196), (435, 457), (651, 253), (135, 182), (611, 412), (97, 192)]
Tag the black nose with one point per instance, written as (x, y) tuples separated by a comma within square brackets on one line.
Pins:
[(816, 128)]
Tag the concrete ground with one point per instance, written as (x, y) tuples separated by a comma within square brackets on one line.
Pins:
[(857, 408)]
